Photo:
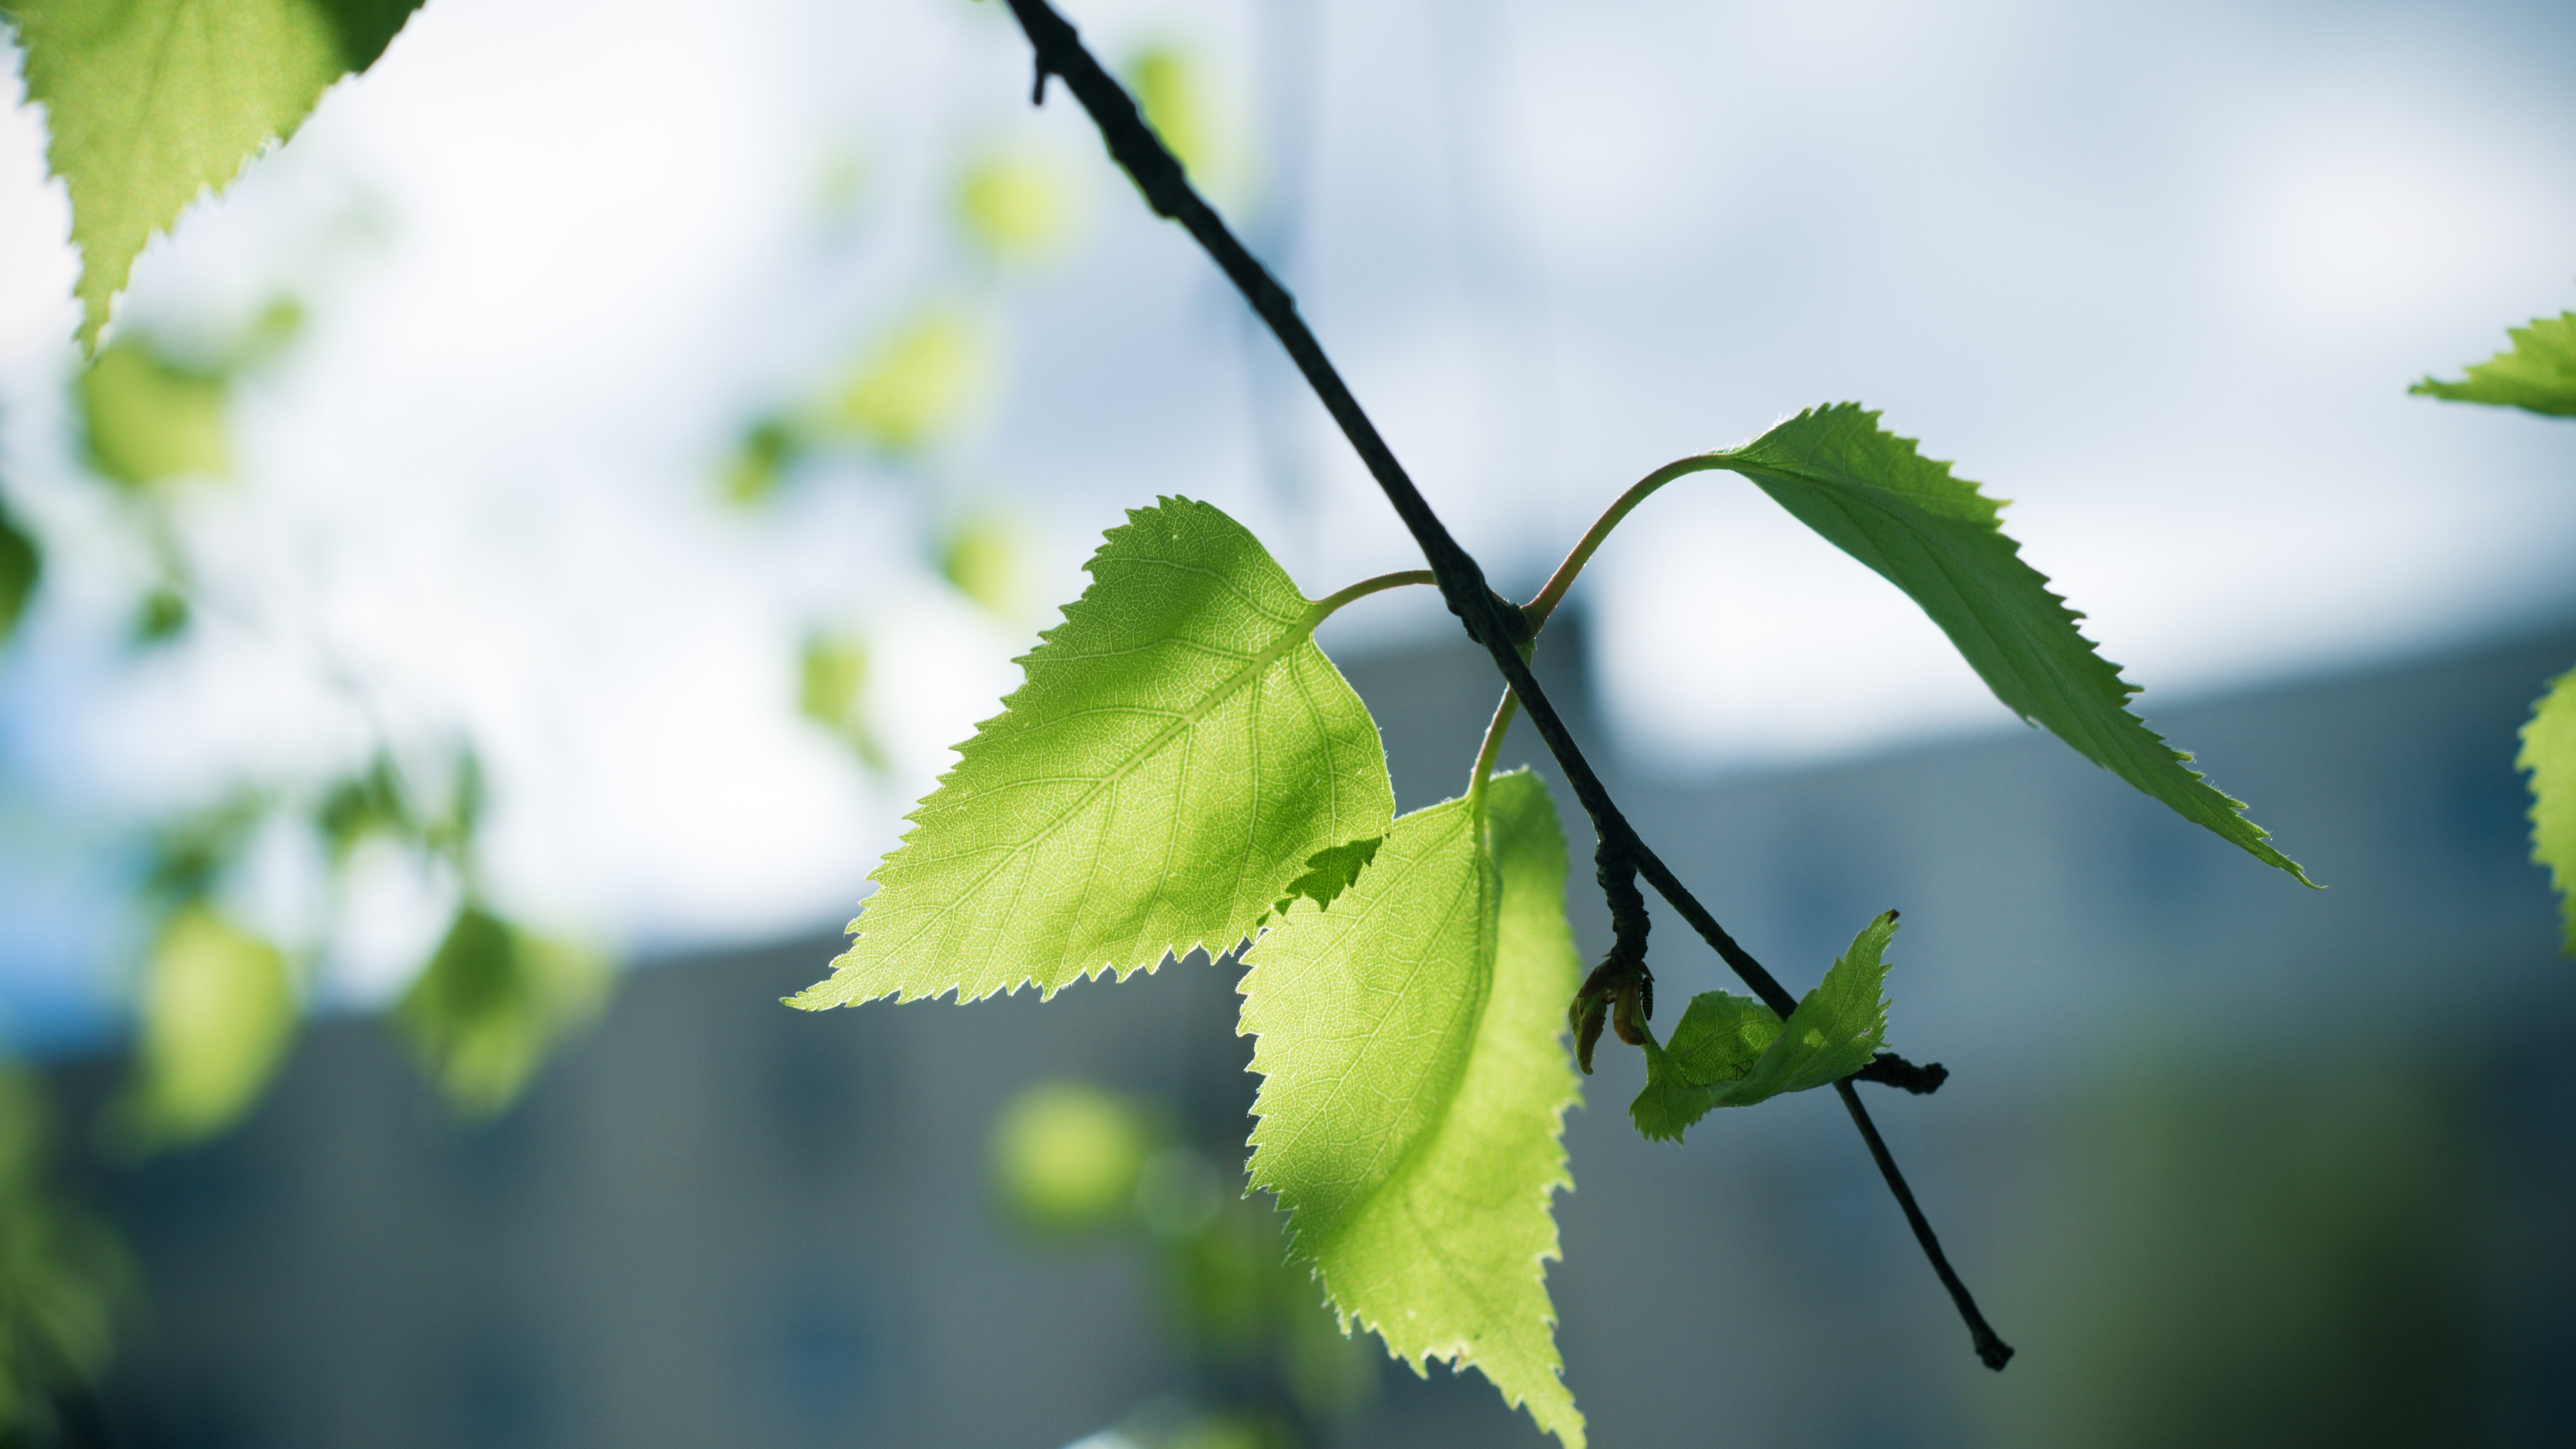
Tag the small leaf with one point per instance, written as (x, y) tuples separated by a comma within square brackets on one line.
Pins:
[(492, 1003), (21, 564), (1731, 1051), (1067, 1156), (1872, 495), (149, 420), (1414, 1089), (63, 1274), (1329, 873), (218, 1009), (1168, 96), (1015, 207), (2537, 374), (150, 102), (2549, 753), (1179, 752), (911, 390), (832, 692)]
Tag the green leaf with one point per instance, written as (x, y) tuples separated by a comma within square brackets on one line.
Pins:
[(2538, 373), (912, 389), (492, 1003), (1414, 1089), (1936, 537), (21, 564), (148, 420), (1067, 1156), (150, 102), (1179, 752), (2549, 753), (1731, 1051), (218, 1009), (63, 1274)]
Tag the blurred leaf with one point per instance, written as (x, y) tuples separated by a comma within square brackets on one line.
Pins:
[(190, 854), (1067, 1155), (2537, 374), (63, 1274), (150, 102), (767, 452), (982, 560), (149, 420), (1015, 207), (913, 388), (1932, 534), (2549, 753), (367, 804), (1178, 753), (1414, 1089), (490, 1006), (835, 671), (1167, 91), (21, 564), (163, 617), (1730, 1051), (218, 1009)]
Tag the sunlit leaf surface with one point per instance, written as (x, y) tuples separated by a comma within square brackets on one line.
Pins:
[(1732, 1051), (149, 102), (1936, 537), (1178, 755), (1414, 1088), (2549, 753), (2537, 373)]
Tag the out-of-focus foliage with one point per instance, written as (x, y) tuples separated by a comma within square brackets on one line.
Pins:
[(1732, 1051), (148, 419), (1270, 1365), (982, 558), (150, 102), (1167, 91), (63, 1274), (492, 1003), (218, 1009), (1179, 751), (1015, 206), (913, 387), (2248, 1252), (2549, 753), (1414, 1088), (21, 565), (1067, 1156), (832, 692), (2537, 373), (1873, 495)]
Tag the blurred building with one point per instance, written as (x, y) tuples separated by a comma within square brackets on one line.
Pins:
[(2230, 1161)]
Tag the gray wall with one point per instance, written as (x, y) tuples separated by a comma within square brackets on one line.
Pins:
[(2229, 1160)]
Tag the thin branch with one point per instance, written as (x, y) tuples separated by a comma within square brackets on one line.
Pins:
[(1501, 627), (1991, 1348), (1332, 603)]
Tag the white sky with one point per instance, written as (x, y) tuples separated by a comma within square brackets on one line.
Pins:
[(2159, 273)]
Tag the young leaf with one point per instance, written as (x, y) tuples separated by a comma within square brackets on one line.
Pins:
[(1731, 1051), (1180, 752), (149, 102), (1329, 873), (2538, 373), (1936, 537), (492, 1003), (218, 1010), (2549, 753), (1414, 1089)]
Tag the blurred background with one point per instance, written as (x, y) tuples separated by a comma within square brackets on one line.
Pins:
[(526, 544)]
